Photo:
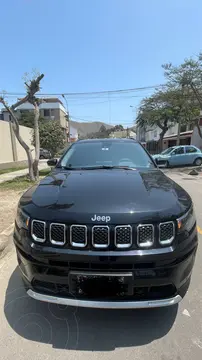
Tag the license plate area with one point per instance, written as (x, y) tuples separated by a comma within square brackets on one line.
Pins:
[(100, 285)]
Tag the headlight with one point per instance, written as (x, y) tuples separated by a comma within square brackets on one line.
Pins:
[(22, 220), (187, 221)]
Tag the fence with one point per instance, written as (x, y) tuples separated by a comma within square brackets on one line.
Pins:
[(10, 149), (153, 147)]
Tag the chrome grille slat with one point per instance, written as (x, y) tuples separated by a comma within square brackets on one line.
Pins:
[(166, 232), (57, 234), (100, 236), (78, 235), (145, 235), (38, 230), (123, 236)]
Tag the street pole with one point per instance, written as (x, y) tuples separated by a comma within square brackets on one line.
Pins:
[(67, 117)]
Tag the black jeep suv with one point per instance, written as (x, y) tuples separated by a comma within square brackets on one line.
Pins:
[(106, 229)]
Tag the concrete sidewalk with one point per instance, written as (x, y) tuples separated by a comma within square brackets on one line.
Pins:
[(14, 174)]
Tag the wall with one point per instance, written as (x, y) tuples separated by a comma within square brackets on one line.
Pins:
[(6, 152), (26, 134), (73, 133), (196, 139), (10, 148)]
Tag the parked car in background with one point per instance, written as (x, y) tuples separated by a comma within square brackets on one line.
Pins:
[(179, 155), (44, 154)]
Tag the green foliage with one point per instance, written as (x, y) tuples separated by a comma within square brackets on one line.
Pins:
[(117, 128), (155, 111), (27, 119), (52, 136), (101, 134), (180, 101), (186, 74)]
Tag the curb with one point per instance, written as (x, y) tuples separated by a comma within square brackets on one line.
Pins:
[(5, 240)]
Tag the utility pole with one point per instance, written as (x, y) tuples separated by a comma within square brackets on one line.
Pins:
[(67, 117)]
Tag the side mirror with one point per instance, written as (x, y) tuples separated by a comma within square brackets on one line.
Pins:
[(52, 162)]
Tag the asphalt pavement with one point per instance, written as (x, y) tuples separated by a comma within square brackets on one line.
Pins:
[(34, 330)]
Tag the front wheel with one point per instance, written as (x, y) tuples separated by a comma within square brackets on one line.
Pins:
[(198, 162)]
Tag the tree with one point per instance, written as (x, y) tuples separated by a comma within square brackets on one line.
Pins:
[(166, 108), (32, 87), (52, 136), (117, 128), (156, 111), (184, 109), (27, 119), (187, 77), (101, 134)]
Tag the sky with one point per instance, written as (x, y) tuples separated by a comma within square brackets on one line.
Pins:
[(96, 45)]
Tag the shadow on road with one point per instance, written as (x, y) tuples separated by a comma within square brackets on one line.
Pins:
[(79, 328)]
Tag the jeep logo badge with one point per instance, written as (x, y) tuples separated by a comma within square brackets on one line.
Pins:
[(101, 218)]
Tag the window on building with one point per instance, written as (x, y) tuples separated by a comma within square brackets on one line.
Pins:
[(190, 149), (47, 112)]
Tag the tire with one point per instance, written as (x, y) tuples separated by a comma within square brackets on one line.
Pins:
[(42, 157), (198, 162)]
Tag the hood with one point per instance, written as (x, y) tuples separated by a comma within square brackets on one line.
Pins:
[(127, 196)]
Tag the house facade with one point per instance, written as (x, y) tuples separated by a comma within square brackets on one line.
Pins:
[(50, 109), (188, 136), (73, 133)]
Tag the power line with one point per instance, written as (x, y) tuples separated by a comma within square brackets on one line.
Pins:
[(105, 92)]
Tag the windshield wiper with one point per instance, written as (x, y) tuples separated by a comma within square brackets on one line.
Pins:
[(67, 168), (107, 167)]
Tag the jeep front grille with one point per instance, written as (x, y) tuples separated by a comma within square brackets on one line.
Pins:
[(166, 232), (145, 235), (100, 236), (57, 234), (123, 236), (38, 231), (104, 236), (78, 235)]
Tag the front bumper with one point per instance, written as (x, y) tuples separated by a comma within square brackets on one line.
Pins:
[(105, 304), (160, 277)]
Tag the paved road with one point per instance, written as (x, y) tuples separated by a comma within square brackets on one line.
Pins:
[(33, 330)]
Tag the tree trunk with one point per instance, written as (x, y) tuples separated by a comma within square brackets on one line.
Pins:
[(164, 129), (178, 135), (161, 140), (16, 130), (32, 88), (37, 141)]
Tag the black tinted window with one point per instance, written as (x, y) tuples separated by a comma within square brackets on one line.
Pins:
[(190, 149), (107, 153), (178, 151)]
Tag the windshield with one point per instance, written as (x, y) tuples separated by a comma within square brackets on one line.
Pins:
[(167, 151), (107, 154)]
